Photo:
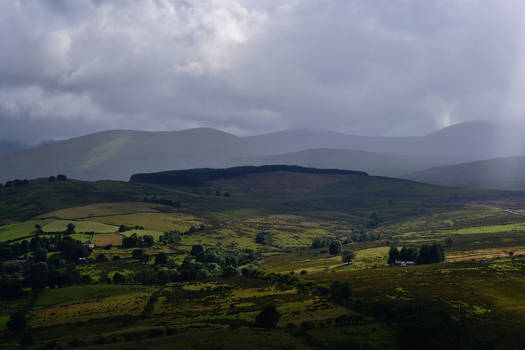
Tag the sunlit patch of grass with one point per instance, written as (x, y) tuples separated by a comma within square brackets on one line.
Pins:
[(15, 231), (105, 209), (103, 239), (80, 226), (160, 222), (3, 322)]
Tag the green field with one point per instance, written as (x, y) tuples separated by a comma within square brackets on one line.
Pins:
[(80, 226), (16, 231)]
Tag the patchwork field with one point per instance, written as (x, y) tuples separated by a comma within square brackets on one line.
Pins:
[(80, 226), (24, 229), (103, 239), (153, 221), (106, 209)]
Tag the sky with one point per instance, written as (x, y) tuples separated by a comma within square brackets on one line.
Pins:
[(367, 67)]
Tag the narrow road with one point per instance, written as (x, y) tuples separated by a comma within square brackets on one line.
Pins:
[(513, 212)]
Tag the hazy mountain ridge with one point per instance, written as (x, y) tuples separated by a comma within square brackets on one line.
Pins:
[(500, 173), (117, 154), (10, 147), (381, 164)]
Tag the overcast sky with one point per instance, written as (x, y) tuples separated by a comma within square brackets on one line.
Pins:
[(391, 67)]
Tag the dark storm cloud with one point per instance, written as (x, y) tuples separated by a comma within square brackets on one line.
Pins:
[(369, 67)]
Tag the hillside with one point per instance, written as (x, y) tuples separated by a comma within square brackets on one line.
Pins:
[(118, 154), (381, 164), (193, 256), (10, 147), (500, 173)]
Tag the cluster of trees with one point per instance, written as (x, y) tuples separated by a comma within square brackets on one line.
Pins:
[(335, 247), (59, 177), (164, 201), (170, 237), (426, 254), (174, 236), (36, 250), (202, 264), (36, 276), (363, 236), (124, 228), (35, 268), (226, 194), (138, 241), (15, 183), (321, 242)]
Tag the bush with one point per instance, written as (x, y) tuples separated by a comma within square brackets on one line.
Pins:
[(118, 278), (196, 249), (101, 258), (137, 253), (229, 271), (348, 256), (265, 238), (268, 317), (17, 322), (161, 259), (335, 247)]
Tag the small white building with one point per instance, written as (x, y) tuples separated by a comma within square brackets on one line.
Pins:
[(404, 263)]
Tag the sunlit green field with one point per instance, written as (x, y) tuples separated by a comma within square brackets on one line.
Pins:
[(15, 231)]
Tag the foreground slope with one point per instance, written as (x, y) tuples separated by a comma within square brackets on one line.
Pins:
[(190, 259)]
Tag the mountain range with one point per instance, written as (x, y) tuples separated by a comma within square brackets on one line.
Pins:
[(117, 154)]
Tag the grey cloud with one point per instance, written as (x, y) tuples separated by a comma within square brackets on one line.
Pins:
[(382, 67)]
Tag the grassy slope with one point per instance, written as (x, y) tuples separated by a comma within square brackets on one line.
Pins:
[(42, 196)]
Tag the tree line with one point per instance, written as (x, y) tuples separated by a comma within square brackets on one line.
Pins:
[(425, 254)]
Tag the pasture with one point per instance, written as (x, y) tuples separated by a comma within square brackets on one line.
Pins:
[(19, 230), (80, 226)]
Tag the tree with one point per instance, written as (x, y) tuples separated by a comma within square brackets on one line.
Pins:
[(335, 247), (137, 253), (229, 271), (101, 258), (196, 249), (118, 278), (61, 177), (268, 317), (265, 238), (148, 240), (17, 322), (70, 228), (161, 259), (144, 258), (171, 237), (348, 256), (40, 254), (393, 255)]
